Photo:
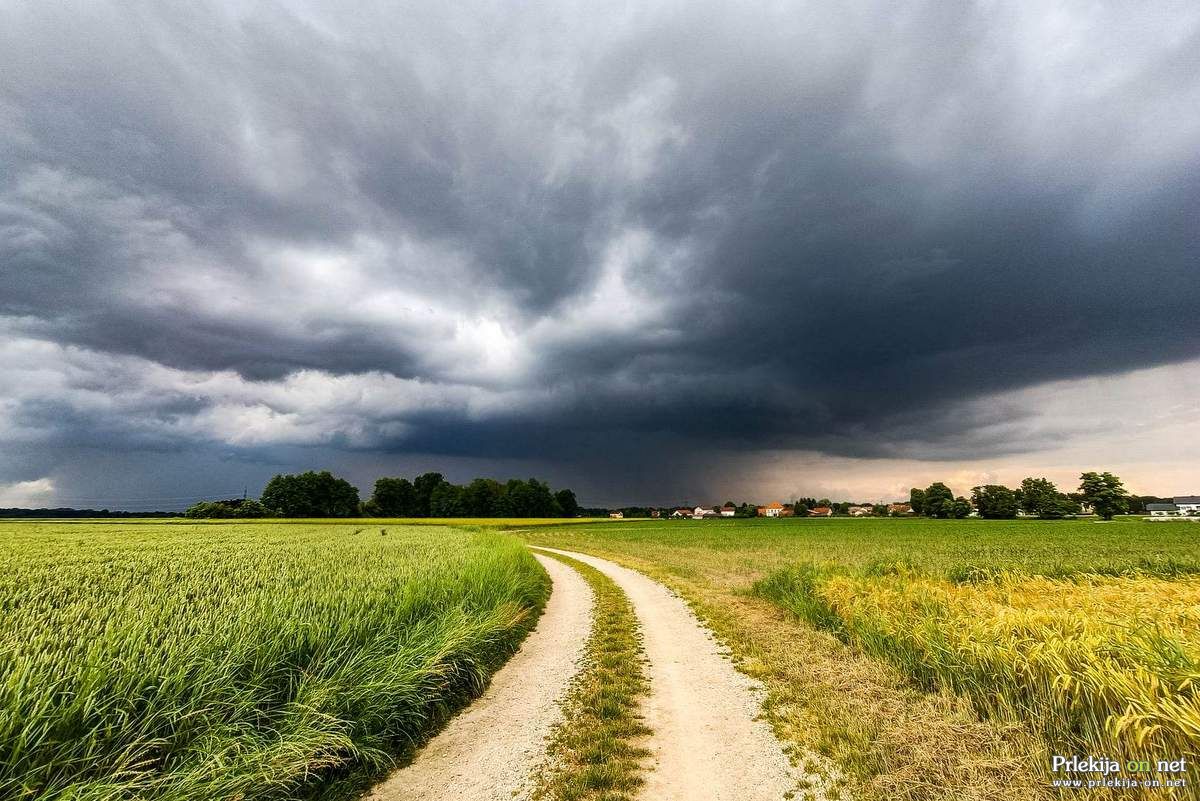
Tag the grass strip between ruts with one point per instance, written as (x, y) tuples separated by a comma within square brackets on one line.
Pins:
[(594, 755)]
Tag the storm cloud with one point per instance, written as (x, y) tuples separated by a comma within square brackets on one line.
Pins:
[(585, 236)]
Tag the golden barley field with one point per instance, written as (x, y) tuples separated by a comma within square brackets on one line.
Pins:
[(1100, 665)]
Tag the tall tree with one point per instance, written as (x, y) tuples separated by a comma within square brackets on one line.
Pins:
[(423, 486), (938, 501), (446, 501), (393, 497), (311, 494), (994, 501), (1060, 507), (567, 502), (962, 508), (1105, 493), (916, 499), (483, 497), (530, 498), (1037, 495), (544, 504)]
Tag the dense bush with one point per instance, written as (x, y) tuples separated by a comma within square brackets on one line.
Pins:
[(235, 508)]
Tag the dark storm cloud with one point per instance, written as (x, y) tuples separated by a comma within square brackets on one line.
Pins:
[(714, 225)]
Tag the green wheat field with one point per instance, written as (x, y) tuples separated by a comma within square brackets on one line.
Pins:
[(178, 661)]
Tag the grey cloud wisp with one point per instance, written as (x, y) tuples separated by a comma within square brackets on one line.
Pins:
[(528, 230)]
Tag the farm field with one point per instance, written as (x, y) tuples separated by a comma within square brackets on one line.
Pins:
[(945, 659), (903, 659), (226, 660)]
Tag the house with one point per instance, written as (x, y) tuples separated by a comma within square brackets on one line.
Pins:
[(771, 510), (1188, 505), (681, 512), (1162, 509), (616, 515), (899, 509), (860, 511), (700, 512), (728, 511), (820, 511), (655, 513)]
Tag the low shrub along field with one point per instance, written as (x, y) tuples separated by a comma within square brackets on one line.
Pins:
[(241, 660)]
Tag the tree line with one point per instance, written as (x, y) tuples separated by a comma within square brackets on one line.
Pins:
[(322, 494), (70, 512), (1104, 493)]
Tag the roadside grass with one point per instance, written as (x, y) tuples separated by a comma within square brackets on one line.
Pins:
[(245, 661), (856, 722), (593, 754)]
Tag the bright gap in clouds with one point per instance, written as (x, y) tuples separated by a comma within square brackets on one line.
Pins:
[(37, 492)]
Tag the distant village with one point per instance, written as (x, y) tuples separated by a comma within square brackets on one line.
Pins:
[(1035, 498), (776, 509)]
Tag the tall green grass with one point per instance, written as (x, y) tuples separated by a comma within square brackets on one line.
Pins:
[(241, 661)]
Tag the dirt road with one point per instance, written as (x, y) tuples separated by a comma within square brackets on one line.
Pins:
[(707, 744), (491, 751)]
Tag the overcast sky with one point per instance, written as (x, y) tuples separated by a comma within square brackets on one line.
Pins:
[(655, 251)]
